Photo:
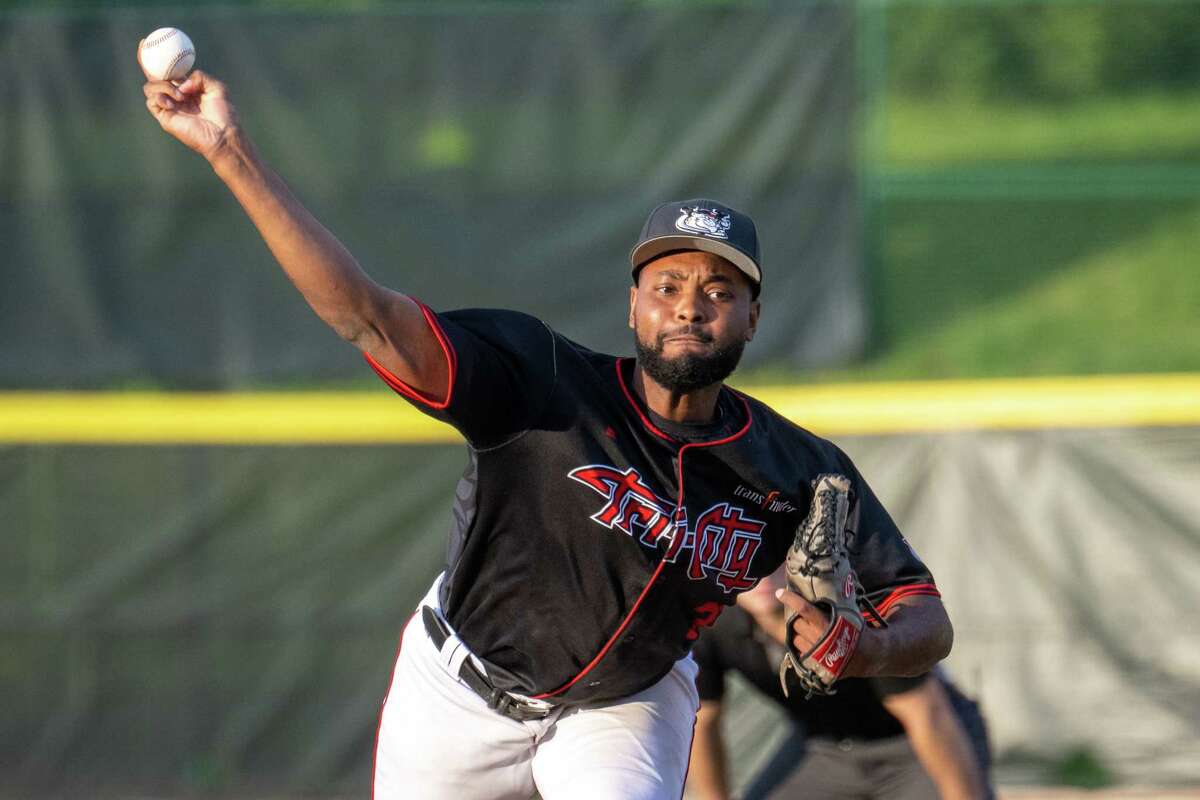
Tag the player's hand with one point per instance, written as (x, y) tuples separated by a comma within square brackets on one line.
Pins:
[(196, 112), (810, 623)]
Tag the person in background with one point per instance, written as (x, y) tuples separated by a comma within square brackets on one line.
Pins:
[(894, 738)]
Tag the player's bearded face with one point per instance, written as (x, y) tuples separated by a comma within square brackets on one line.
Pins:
[(692, 313), (688, 371)]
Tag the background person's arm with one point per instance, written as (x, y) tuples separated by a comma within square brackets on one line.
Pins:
[(939, 740), (707, 776)]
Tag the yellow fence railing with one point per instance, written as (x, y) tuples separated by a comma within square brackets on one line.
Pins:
[(148, 418)]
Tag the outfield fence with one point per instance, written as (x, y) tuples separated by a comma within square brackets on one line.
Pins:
[(206, 564)]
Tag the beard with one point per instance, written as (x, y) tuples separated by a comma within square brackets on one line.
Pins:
[(690, 371)]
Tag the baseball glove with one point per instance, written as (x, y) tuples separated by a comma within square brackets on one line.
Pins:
[(818, 569)]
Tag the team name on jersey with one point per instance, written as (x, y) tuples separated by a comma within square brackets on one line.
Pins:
[(720, 546)]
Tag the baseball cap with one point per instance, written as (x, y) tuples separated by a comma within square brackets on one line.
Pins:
[(700, 225)]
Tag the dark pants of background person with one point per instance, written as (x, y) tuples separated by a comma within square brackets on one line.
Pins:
[(842, 770), (884, 769)]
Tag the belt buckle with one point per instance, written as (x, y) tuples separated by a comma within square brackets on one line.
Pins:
[(532, 702), (521, 708), (509, 704)]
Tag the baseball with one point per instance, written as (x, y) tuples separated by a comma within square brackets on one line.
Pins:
[(167, 54)]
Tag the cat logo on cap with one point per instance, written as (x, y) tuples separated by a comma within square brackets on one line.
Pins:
[(706, 221)]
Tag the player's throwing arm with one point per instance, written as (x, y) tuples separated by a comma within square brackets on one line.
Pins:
[(387, 325)]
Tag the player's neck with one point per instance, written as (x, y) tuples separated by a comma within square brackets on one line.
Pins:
[(699, 405)]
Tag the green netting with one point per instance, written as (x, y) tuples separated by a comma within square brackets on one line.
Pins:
[(491, 158), (183, 619), (195, 618), (192, 619)]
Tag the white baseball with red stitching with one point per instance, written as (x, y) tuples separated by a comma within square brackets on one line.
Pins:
[(167, 54)]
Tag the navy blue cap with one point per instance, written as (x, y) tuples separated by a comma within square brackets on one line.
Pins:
[(700, 225)]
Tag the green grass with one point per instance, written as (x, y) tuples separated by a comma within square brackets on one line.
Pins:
[(1083, 768), (1129, 305), (1021, 240), (1155, 126), (947, 260), (981, 276)]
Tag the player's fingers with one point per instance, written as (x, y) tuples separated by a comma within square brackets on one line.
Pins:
[(809, 622), (200, 82), (794, 602), (153, 88), (160, 103)]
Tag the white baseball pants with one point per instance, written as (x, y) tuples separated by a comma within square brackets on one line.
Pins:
[(438, 739)]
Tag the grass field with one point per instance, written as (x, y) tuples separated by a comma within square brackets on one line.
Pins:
[(1075, 289), (1147, 127), (1026, 239)]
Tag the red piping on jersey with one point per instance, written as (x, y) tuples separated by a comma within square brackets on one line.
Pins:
[(911, 590), (662, 561), (645, 420), (654, 429), (383, 705), (402, 388)]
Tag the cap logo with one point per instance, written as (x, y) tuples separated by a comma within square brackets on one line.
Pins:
[(705, 221)]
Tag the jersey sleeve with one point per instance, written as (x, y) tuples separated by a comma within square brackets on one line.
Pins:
[(710, 680), (502, 371), (887, 565)]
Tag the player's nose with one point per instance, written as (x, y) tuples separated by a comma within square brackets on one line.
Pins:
[(691, 306)]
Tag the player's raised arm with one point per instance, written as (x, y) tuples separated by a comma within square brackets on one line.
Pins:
[(385, 324)]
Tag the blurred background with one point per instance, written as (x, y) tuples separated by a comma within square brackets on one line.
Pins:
[(980, 225)]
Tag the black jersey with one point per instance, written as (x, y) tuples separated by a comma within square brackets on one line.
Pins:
[(589, 545), (737, 643)]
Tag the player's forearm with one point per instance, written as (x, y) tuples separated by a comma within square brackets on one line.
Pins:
[(706, 770), (955, 778), (939, 740), (324, 271), (918, 636)]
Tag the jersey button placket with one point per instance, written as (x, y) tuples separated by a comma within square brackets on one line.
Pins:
[(679, 521)]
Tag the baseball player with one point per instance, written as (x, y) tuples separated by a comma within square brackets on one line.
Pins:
[(875, 739), (610, 507)]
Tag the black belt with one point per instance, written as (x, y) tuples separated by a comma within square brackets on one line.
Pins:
[(497, 699)]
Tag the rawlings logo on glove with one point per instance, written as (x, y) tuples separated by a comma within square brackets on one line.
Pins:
[(818, 569)]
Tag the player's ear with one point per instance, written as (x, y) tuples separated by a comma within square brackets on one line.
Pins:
[(755, 308), (632, 304)]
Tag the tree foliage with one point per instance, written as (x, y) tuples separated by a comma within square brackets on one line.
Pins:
[(1044, 51)]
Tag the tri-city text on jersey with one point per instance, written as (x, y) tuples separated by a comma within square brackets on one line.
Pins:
[(721, 544)]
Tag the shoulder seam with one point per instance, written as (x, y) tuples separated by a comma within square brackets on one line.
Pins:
[(545, 401)]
